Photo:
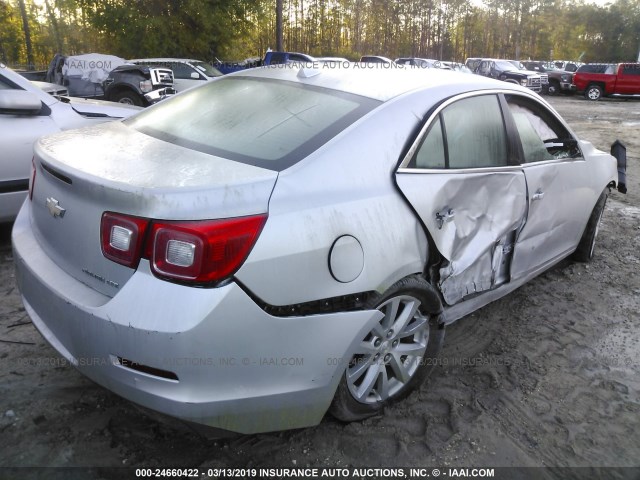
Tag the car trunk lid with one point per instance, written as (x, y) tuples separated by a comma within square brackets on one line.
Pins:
[(82, 174)]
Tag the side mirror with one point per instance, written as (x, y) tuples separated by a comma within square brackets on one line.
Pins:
[(195, 75), (19, 102)]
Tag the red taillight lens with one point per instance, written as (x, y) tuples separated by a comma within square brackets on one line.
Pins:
[(202, 251), (32, 180), (121, 237)]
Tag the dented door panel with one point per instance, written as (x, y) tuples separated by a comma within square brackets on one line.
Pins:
[(472, 218)]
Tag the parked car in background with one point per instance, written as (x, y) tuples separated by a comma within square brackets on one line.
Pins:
[(187, 73), (472, 63), (418, 62), (51, 88), (225, 66), (139, 85), (618, 80), (26, 113), (282, 58), (431, 63), (544, 78), (456, 66), (82, 75), (567, 65), (301, 241), (560, 81), (596, 68), (508, 72), (270, 58), (33, 75), (332, 61), (108, 77), (376, 59)]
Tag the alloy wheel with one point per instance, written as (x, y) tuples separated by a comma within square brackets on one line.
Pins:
[(389, 356)]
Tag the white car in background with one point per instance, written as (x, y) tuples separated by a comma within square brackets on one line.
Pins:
[(51, 88), (333, 61), (26, 113), (187, 73)]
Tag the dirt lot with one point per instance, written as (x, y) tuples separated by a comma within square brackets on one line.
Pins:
[(549, 376)]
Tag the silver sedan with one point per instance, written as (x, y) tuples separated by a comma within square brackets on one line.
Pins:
[(289, 241)]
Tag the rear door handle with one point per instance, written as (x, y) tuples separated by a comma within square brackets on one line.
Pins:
[(537, 196)]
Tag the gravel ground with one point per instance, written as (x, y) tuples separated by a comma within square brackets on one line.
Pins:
[(548, 376)]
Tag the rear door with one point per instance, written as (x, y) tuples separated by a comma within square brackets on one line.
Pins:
[(555, 173), (463, 179)]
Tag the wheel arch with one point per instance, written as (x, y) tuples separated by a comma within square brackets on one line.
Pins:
[(112, 92), (585, 247), (598, 84), (345, 406)]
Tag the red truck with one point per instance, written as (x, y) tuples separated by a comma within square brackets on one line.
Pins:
[(616, 80)]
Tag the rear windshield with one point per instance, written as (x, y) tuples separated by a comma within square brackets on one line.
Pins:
[(268, 123)]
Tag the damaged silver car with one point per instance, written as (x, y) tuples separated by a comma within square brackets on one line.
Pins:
[(285, 242)]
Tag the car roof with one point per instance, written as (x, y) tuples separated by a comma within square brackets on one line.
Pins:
[(378, 81), (377, 57)]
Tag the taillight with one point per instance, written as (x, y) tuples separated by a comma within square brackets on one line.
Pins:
[(32, 179), (121, 238), (202, 251)]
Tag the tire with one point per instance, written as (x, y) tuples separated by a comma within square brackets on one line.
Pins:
[(554, 88), (593, 92), (396, 356), (128, 97), (584, 252)]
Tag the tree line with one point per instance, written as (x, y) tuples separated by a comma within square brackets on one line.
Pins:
[(32, 31)]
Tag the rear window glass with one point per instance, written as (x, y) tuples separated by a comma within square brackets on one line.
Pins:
[(595, 68), (268, 123)]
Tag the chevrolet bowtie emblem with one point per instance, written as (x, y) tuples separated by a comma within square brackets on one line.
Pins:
[(54, 208)]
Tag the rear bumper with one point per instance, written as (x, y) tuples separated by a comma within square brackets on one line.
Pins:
[(236, 367)]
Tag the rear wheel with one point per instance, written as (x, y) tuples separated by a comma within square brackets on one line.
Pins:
[(396, 356), (587, 244), (593, 92)]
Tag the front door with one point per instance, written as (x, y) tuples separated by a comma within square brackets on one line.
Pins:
[(468, 189)]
